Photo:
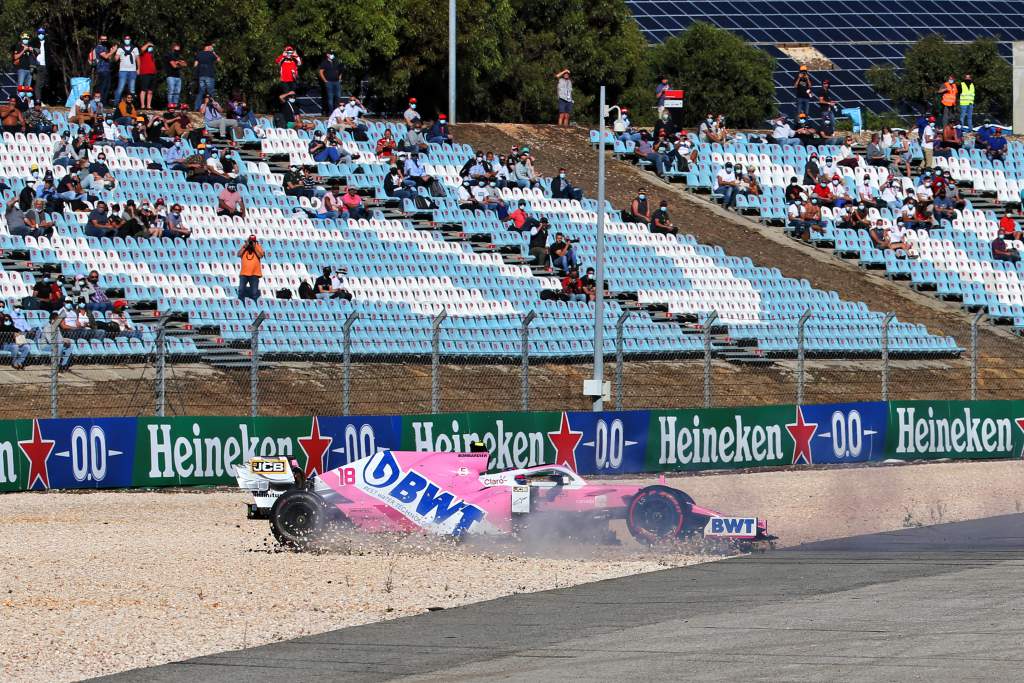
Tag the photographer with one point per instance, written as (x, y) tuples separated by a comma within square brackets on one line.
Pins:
[(563, 256), (251, 254), (24, 58)]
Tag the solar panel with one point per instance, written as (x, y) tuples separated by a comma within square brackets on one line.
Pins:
[(853, 34)]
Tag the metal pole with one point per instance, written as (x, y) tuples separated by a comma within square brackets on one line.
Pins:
[(599, 280), (56, 347), (254, 363), (620, 326), (525, 379), (161, 364), (451, 61), (435, 363), (885, 354), (346, 361), (800, 355), (708, 324), (974, 354)]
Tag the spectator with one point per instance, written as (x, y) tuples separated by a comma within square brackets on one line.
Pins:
[(590, 285), (708, 131), (214, 119), (289, 62), (827, 105), (1001, 251), (623, 128), (783, 134), (24, 60), (230, 202), (127, 57), (99, 224), (1009, 229), (659, 94), (492, 199), (123, 321), (840, 197), (802, 89), (251, 271), (331, 206), (410, 115), (928, 141), (564, 97), (330, 77), (639, 210), (50, 336), (996, 146), (64, 153), (386, 145), (126, 111), (205, 65), (288, 116), (967, 102), (322, 286), (174, 62), (95, 296), (866, 193), (12, 340), (174, 227), (15, 217), (661, 224), (11, 118), (572, 287), (46, 295), (951, 138), (985, 133), (37, 220), (353, 203), (665, 127), (794, 191), (805, 130), (856, 218), (686, 153), (810, 219), (726, 185), (100, 172), (563, 189), (352, 118), (539, 243), (875, 155), (562, 254), (296, 183), (146, 76), (943, 207), (414, 141), (949, 99), (414, 171), (525, 178), (394, 185), (812, 170), (520, 218), (897, 237), (80, 112), (438, 133), (100, 58)]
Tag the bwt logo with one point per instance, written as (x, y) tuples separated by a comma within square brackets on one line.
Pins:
[(731, 527), (416, 495)]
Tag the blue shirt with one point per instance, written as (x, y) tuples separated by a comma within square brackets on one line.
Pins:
[(997, 144)]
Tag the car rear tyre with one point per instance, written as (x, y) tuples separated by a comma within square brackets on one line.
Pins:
[(297, 518), (657, 514)]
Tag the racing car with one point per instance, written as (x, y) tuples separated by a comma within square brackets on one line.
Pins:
[(454, 494)]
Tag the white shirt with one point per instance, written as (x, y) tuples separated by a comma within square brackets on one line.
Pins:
[(830, 169), (782, 130), (725, 176), (336, 116), (128, 59), (864, 191), (479, 193), (928, 137), (924, 192), (896, 233), (41, 53), (793, 212), (353, 111), (79, 107), (215, 165), (889, 194)]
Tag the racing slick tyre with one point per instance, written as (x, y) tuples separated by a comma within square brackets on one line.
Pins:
[(657, 514), (297, 518)]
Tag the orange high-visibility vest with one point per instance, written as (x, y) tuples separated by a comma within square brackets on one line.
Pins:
[(949, 97)]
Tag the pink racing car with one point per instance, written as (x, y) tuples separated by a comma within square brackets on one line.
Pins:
[(452, 493)]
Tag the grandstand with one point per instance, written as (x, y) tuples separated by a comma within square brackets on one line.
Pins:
[(405, 265), (840, 39)]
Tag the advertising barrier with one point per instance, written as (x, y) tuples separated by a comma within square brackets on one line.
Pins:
[(193, 451)]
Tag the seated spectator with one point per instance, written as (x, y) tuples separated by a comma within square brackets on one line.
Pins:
[(879, 235), (11, 118), (394, 185), (783, 133), (876, 155), (985, 133), (126, 328), (562, 254), (623, 128), (353, 203), (951, 138), (99, 224), (589, 285), (493, 201), (1009, 229), (414, 140), (475, 169), (126, 111), (810, 219), (174, 226), (95, 296), (840, 197), (321, 151), (338, 284), (794, 211), (36, 120), (812, 170), (666, 154), (100, 172), (466, 198), (563, 189), (386, 145), (64, 153), (709, 131), (16, 224), (748, 185), (805, 131), (322, 286), (49, 337), (520, 218), (332, 141), (352, 118), (38, 220), (539, 243), (80, 112), (899, 241), (686, 153), (479, 192), (639, 210), (661, 224), (46, 295), (289, 116), (413, 170), (856, 218), (665, 127), (866, 193), (525, 177), (439, 133), (410, 115), (996, 146), (1001, 251), (572, 287), (296, 183), (944, 209), (176, 124), (230, 202), (794, 191), (13, 341), (726, 185)]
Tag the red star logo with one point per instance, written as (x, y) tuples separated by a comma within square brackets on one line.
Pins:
[(564, 441), (315, 447), (802, 432), (1020, 426), (38, 452)]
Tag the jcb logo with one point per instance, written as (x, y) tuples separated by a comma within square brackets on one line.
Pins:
[(260, 466)]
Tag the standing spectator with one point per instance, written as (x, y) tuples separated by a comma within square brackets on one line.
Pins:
[(659, 94), (803, 91), (205, 65), (330, 77), (49, 337), (949, 99), (251, 271), (726, 185), (289, 62), (572, 287), (439, 131), (827, 105), (928, 141), (147, 76), (99, 58), (24, 58), (41, 74), (174, 62), (410, 115), (230, 202), (563, 189), (562, 254), (564, 97), (127, 57), (967, 102)]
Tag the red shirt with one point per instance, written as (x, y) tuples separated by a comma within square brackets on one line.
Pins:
[(518, 218), (351, 200), (147, 64), (1007, 225), (822, 191), (289, 68)]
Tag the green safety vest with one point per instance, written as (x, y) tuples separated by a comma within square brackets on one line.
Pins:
[(966, 94)]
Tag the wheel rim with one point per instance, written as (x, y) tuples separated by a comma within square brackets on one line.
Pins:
[(657, 516), (298, 519)]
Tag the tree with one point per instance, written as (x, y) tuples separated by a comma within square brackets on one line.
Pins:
[(720, 72), (928, 62)]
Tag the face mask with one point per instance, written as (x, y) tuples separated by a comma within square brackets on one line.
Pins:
[(642, 196), (101, 158), (412, 106), (69, 307), (330, 57), (561, 175), (291, 100), (25, 41), (149, 49), (95, 99), (127, 42)]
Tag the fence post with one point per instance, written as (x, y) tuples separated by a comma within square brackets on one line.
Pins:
[(161, 364), (974, 354), (56, 348), (801, 355), (620, 331), (525, 380), (435, 362), (885, 354), (254, 363), (708, 324), (346, 361)]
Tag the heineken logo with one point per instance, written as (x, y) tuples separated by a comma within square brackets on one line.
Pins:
[(922, 433), (736, 442), (208, 456), (509, 449)]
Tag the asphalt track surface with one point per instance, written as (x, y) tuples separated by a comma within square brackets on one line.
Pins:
[(934, 603)]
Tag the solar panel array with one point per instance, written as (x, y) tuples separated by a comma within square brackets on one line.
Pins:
[(852, 34)]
